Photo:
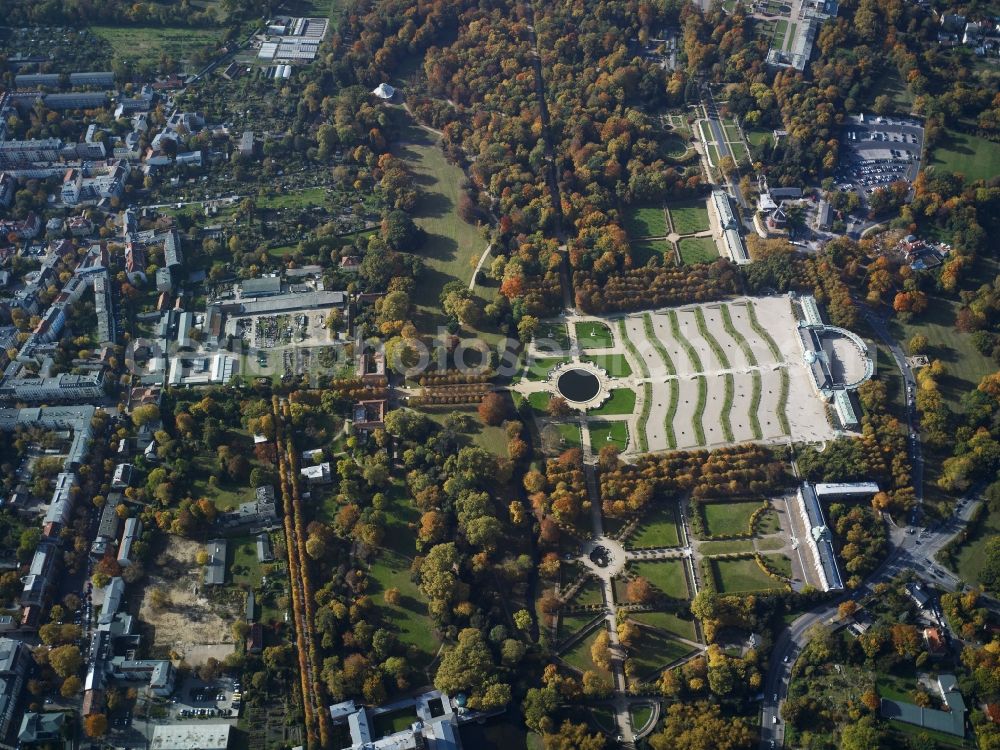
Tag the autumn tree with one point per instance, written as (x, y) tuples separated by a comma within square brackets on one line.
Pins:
[(95, 725), (492, 409)]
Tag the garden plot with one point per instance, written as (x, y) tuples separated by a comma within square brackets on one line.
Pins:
[(686, 404), (739, 416), (636, 333), (734, 346), (714, 412), (770, 394), (689, 330)]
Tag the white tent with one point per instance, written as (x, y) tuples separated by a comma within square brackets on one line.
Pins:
[(384, 91)]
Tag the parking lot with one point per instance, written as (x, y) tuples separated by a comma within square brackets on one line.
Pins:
[(879, 151), (198, 700)]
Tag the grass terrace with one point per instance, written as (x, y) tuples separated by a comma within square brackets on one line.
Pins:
[(970, 155), (739, 576), (645, 221), (655, 651), (622, 401), (728, 519), (614, 364), (539, 368), (667, 575), (698, 250), (659, 529), (669, 622), (643, 251), (594, 335), (608, 433), (689, 217), (555, 331)]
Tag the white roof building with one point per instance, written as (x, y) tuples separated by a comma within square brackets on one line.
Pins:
[(384, 91)]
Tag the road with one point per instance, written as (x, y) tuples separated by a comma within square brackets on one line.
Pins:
[(878, 324)]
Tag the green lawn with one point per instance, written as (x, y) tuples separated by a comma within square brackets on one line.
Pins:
[(589, 593), (645, 221), (244, 568), (791, 36), (655, 651), (393, 721), (579, 657), (615, 364), (554, 331), (608, 433), (698, 250), (622, 401), (758, 137), (538, 369), (409, 620), (570, 624), (643, 251), (138, 43), (639, 716), (493, 439), (569, 432), (726, 546), (735, 576), (667, 575), (965, 365), (594, 335), (975, 157), (781, 563), (539, 401), (667, 621), (768, 543), (726, 519), (659, 529), (689, 217), (674, 146), (970, 558), (778, 40), (889, 83), (225, 494), (306, 198), (453, 246)]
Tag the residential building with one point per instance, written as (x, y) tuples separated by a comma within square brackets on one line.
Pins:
[(818, 542), (133, 529), (15, 664), (8, 186), (114, 593), (107, 530), (319, 474), (256, 515), (435, 723), (729, 227), (215, 568), (190, 737), (265, 286), (950, 722), (264, 551), (246, 144), (41, 729), (63, 387)]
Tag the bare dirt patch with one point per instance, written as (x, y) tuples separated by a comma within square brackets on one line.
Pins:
[(183, 619)]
